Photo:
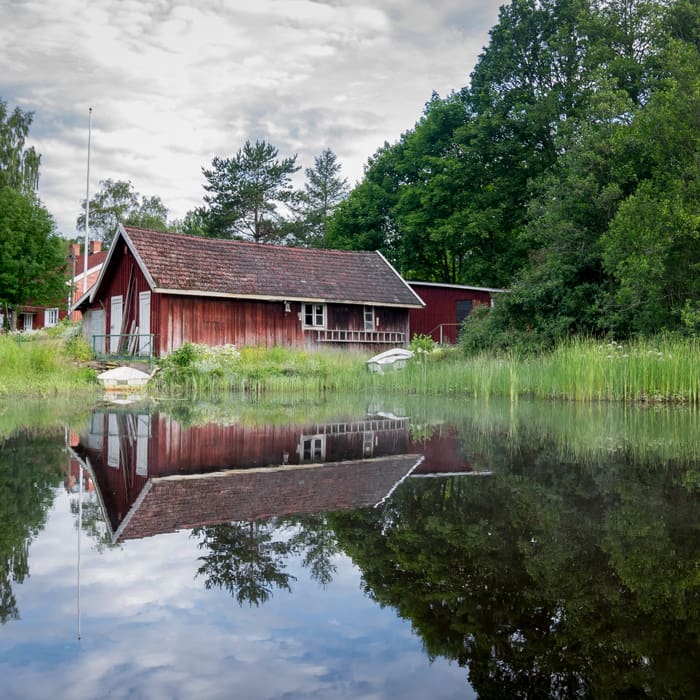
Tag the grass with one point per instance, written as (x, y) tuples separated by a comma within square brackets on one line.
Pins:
[(43, 364), (657, 370)]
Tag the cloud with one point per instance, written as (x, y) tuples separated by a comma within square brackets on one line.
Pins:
[(150, 628), (173, 83)]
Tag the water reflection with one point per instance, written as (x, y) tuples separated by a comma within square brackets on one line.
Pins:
[(570, 570), (155, 475)]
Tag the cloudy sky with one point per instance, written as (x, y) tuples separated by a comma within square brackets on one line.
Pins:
[(172, 83)]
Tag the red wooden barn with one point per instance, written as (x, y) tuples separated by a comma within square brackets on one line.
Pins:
[(158, 291), (446, 308)]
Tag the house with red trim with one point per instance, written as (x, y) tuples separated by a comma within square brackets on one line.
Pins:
[(446, 306), (156, 291)]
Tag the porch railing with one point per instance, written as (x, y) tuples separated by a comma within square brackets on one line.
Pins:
[(348, 336), (123, 345)]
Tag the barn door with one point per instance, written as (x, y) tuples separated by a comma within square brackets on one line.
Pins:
[(95, 319), (464, 308), (145, 347), (115, 323)]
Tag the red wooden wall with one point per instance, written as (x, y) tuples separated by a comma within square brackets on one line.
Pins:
[(440, 309)]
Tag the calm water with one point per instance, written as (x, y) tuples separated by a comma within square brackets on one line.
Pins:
[(369, 549)]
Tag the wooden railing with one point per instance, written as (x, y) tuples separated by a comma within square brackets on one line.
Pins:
[(122, 345), (348, 336)]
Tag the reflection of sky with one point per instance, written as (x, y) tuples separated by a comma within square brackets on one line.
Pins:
[(150, 629)]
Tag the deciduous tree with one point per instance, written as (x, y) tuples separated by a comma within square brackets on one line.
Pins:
[(32, 254), (19, 166), (118, 203)]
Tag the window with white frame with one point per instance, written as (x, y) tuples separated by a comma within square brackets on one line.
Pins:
[(50, 317), (313, 315), (312, 448), (369, 318)]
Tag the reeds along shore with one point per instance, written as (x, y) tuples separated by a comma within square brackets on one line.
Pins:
[(658, 370)]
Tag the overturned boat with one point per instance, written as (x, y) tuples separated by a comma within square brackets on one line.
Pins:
[(389, 360)]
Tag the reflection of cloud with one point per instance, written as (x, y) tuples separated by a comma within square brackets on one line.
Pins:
[(173, 84), (150, 629)]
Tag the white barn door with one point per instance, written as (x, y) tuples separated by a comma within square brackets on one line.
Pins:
[(145, 347), (115, 323)]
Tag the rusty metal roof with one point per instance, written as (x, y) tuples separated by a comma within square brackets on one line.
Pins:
[(182, 264)]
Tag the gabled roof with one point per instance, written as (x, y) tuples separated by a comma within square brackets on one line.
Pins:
[(172, 503), (178, 264)]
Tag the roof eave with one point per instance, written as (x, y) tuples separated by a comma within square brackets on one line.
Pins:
[(286, 297)]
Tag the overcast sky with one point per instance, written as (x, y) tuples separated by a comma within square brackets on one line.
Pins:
[(173, 83)]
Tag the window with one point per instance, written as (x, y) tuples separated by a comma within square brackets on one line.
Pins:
[(312, 448), (369, 318), (27, 321), (50, 317), (314, 315)]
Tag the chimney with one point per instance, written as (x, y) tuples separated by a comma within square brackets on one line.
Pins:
[(95, 247), (74, 250)]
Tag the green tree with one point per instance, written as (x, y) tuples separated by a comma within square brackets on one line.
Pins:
[(194, 223), (30, 469), (245, 559), (246, 193), (118, 203), (364, 220), (652, 247), (19, 166), (33, 264), (323, 191)]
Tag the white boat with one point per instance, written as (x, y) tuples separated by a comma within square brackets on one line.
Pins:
[(124, 378), (389, 360)]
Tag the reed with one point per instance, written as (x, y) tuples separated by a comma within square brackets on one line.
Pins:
[(657, 370)]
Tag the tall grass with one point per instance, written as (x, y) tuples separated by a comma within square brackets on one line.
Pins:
[(39, 364), (663, 369)]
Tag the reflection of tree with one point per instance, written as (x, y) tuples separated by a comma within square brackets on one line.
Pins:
[(29, 469), (93, 522), (316, 539), (549, 579), (245, 559)]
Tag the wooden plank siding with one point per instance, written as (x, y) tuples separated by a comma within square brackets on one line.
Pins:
[(211, 321), (217, 292), (128, 281), (180, 319), (438, 318)]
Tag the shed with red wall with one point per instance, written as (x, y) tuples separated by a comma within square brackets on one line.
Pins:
[(446, 307)]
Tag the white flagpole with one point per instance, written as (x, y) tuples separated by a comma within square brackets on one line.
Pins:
[(87, 207), (80, 527)]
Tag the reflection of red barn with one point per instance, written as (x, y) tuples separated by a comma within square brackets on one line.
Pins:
[(153, 475), (446, 307), (443, 454)]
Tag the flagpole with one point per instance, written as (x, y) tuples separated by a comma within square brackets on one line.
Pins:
[(80, 527), (87, 206)]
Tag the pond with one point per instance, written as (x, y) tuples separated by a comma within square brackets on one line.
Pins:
[(363, 548)]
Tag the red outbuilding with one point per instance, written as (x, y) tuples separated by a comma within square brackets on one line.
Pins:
[(446, 308)]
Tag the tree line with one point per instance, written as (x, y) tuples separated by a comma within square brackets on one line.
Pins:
[(248, 196), (565, 172)]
